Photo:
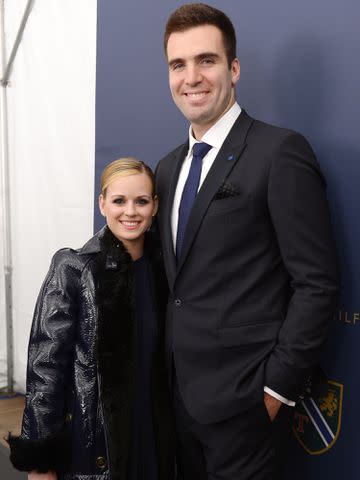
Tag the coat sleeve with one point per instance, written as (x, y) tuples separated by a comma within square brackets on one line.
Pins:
[(50, 360), (300, 216)]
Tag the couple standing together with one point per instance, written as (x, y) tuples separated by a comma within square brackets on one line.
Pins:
[(129, 366)]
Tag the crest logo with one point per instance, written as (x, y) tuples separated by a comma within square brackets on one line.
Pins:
[(317, 420)]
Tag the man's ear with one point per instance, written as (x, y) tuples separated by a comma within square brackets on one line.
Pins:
[(235, 71)]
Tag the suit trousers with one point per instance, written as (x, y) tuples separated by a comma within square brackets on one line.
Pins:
[(243, 447)]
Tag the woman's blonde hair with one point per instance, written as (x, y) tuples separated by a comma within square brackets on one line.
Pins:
[(123, 167)]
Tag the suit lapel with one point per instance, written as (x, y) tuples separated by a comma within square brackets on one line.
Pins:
[(230, 152), (167, 202)]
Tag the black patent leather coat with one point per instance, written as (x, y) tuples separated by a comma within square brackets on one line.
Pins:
[(81, 367)]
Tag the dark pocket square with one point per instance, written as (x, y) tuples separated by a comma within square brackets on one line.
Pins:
[(225, 191)]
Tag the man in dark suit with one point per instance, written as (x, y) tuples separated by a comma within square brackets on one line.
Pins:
[(249, 256)]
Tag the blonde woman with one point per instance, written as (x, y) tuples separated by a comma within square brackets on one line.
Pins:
[(97, 405)]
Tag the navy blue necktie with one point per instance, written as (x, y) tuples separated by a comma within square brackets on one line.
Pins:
[(189, 192)]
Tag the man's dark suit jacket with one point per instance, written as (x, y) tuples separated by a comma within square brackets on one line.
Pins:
[(255, 288)]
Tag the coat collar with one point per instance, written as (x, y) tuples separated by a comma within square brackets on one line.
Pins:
[(103, 239), (93, 245)]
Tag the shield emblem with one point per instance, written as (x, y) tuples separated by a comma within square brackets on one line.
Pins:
[(317, 420)]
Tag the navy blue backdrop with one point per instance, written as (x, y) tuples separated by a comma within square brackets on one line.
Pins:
[(299, 69)]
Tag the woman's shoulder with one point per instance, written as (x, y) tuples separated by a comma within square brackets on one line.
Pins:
[(76, 258), (65, 256), (80, 255), (66, 264)]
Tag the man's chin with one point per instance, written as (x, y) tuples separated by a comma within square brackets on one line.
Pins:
[(199, 119)]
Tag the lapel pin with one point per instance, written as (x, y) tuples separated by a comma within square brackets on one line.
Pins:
[(231, 157)]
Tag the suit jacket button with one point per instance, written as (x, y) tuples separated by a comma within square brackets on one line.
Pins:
[(68, 418), (177, 302), (101, 463)]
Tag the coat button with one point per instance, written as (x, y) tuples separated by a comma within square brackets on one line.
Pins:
[(68, 418), (177, 302), (101, 462)]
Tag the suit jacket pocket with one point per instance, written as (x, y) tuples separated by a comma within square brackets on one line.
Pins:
[(249, 334), (227, 205)]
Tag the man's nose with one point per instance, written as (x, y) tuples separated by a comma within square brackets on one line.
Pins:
[(193, 75)]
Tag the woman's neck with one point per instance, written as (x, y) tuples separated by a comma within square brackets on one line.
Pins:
[(135, 249)]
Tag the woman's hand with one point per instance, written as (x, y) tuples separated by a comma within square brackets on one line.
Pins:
[(42, 476)]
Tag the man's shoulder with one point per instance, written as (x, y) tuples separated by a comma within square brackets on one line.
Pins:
[(281, 146), (166, 165), (173, 153), (272, 134), (271, 130)]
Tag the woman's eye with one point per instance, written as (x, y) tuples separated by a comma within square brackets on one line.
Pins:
[(119, 201), (143, 201)]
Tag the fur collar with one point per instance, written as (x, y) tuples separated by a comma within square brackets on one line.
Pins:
[(113, 265), (115, 343)]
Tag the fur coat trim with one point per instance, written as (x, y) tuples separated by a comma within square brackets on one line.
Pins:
[(41, 455)]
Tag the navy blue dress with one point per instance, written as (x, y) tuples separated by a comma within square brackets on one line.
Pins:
[(143, 456)]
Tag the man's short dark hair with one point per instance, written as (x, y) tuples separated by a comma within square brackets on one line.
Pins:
[(199, 14)]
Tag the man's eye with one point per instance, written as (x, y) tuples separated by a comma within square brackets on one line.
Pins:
[(177, 66), (207, 60)]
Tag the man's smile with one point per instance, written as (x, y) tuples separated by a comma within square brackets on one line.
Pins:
[(196, 95)]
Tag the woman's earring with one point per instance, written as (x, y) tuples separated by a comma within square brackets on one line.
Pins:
[(149, 227)]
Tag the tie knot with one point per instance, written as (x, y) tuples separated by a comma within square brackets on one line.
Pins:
[(200, 150)]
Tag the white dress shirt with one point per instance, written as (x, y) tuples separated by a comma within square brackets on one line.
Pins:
[(215, 137)]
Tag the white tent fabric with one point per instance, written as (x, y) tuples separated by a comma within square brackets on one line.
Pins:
[(51, 118), (3, 368)]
